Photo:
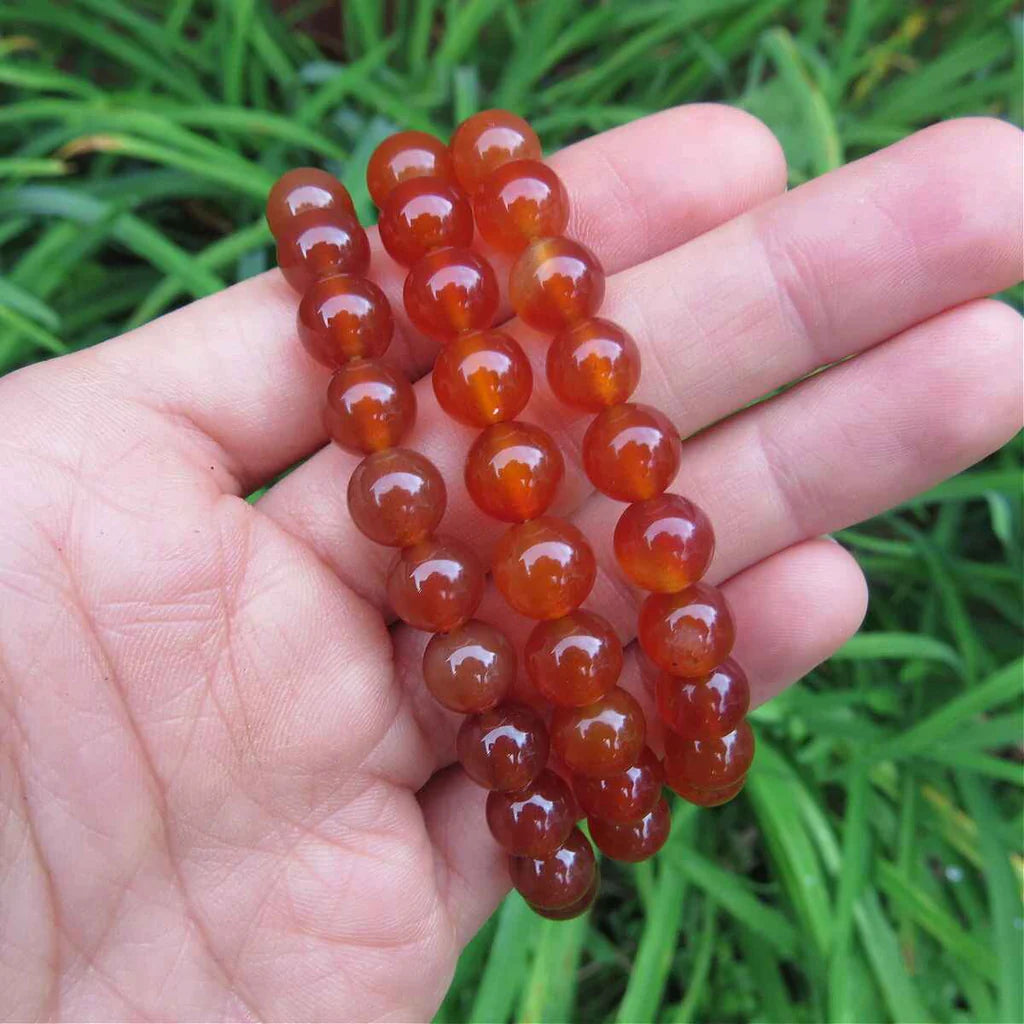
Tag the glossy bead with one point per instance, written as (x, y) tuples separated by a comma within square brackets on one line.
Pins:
[(513, 471), (505, 748), (319, 244), (593, 365), (436, 584), (626, 796), (488, 140), (574, 660), (704, 708), (633, 842), (482, 377), (687, 633), (631, 452), (709, 764), (302, 189), (519, 202), (449, 291), (344, 317), (544, 568), (403, 156), (471, 668), (709, 797), (533, 821), (664, 543), (396, 497), (423, 214), (369, 407), (603, 738), (577, 909), (561, 878), (555, 283)]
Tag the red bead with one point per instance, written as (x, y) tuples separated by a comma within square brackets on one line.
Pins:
[(577, 909), (320, 244), (487, 141), (603, 738), (544, 568), (626, 796), (713, 764), (704, 708), (533, 821), (301, 190), (519, 202), (344, 317), (634, 842), (513, 471), (688, 633), (555, 283), (574, 660), (709, 797), (436, 584), (631, 452), (471, 668), (505, 748), (403, 156), (560, 879), (369, 407), (593, 364), (422, 214), (449, 291)]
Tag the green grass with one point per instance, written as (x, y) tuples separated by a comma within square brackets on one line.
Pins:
[(872, 870)]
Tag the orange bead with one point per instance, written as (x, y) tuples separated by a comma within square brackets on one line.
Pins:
[(636, 841), (709, 797), (560, 879), (688, 633), (505, 748), (631, 452), (707, 707), (436, 585), (403, 156), (369, 407), (714, 764), (603, 738), (471, 668), (320, 243), (556, 283), (519, 202), (593, 365), (302, 189), (626, 796), (533, 821), (488, 140), (544, 568), (574, 660), (577, 909), (664, 543), (344, 317), (513, 471), (422, 214), (449, 291)]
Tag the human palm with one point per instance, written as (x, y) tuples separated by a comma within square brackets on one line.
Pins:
[(224, 793)]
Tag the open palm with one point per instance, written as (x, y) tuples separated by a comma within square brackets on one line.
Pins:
[(222, 790)]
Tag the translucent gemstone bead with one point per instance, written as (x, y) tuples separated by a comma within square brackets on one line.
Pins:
[(344, 317), (533, 821), (513, 471), (555, 283), (369, 407), (486, 141), (519, 202), (631, 452), (593, 364), (709, 797), (303, 189), (471, 668), (714, 764), (704, 708), (560, 879), (577, 909), (574, 660), (626, 796), (436, 585), (687, 633), (636, 841), (544, 568), (449, 291), (603, 738), (664, 543), (505, 748), (403, 156), (396, 497), (318, 244), (422, 214)]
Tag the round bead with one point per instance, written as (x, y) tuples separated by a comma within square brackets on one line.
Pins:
[(318, 244), (704, 708), (544, 568), (631, 452), (713, 764), (436, 584), (403, 156), (471, 668), (603, 738), (593, 365), (369, 407), (636, 841), (487, 141), (577, 909), (513, 471), (574, 660), (687, 633), (482, 377), (344, 317), (561, 878), (449, 291), (519, 202), (534, 821), (664, 543), (422, 214), (505, 748), (626, 796), (555, 283), (709, 797), (302, 189)]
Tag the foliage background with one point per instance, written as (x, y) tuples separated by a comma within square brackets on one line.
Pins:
[(872, 870)]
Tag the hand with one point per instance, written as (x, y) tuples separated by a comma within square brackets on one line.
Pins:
[(224, 790)]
